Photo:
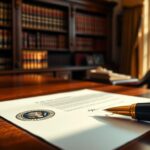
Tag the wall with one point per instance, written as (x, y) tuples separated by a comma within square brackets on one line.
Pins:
[(117, 11), (146, 52)]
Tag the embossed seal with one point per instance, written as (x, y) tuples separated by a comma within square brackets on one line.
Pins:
[(35, 115)]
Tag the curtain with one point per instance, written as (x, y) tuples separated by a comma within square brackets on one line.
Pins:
[(129, 52)]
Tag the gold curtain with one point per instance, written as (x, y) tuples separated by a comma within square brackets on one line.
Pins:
[(129, 58)]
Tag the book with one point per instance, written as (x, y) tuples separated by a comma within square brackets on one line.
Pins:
[(80, 60), (5, 39), (103, 74)]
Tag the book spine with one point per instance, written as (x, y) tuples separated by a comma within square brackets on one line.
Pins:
[(1, 13), (5, 39), (84, 44), (1, 38)]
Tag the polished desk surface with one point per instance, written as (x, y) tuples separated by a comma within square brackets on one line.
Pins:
[(12, 87)]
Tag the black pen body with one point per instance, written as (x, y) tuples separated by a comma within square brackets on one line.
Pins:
[(142, 111)]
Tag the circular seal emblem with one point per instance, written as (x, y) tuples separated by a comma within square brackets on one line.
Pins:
[(35, 115)]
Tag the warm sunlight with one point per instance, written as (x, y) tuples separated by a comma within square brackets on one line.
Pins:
[(146, 31)]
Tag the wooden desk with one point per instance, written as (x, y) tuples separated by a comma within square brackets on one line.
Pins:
[(11, 87)]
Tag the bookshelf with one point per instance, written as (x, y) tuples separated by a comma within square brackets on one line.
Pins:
[(6, 48), (44, 29), (91, 36), (56, 35)]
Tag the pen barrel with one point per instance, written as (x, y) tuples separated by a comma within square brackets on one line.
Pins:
[(142, 111)]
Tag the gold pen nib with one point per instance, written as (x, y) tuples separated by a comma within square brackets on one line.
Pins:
[(120, 108), (125, 113), (123, 110)]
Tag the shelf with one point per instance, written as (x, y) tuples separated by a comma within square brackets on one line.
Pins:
[(90, 35), (52, 69), (44, 30), (92, 51), (52, 50), (5, 49), (5, 26)]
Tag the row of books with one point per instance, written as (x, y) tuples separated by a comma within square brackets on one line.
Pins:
[(43, 41), (34, 59), (89, 60), (45, 18), (90, 24), (5, 14), (90, 44), (5, 39)]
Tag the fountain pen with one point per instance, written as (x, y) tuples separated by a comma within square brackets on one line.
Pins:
[(139, 111)]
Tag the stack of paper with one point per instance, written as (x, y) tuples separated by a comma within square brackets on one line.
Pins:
[(104, 74)]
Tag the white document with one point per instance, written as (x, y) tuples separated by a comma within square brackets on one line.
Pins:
[(76, 120)]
